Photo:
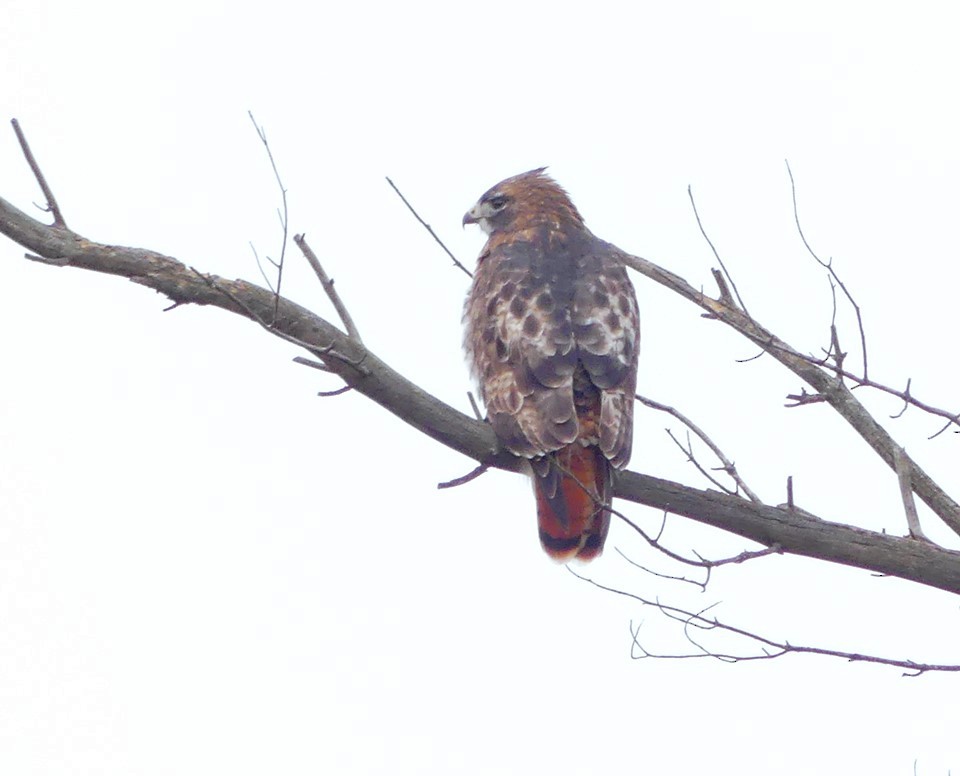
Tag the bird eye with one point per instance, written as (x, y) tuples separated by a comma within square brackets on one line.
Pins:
[(498, 202)]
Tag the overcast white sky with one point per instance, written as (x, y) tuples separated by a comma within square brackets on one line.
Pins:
[(204, 568)]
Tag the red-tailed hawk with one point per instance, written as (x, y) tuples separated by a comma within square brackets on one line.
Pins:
[(552, 335)]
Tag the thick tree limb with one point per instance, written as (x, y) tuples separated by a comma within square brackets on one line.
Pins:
[(798, 532), (829, 387), (793, 530)]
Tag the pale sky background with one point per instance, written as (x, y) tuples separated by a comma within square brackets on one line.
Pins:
[(204, 568)]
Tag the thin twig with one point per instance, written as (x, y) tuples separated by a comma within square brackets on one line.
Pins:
[(663, 526), (322, 368), (668, 577), (692, 458), (906, 401), (468, 477), (705, 563), (741, 557), (429, 229), (284, 220), (828, 265), (52, 207), (953, 418), (327, 283), (945, 426), (835, 349), (802, 398), (833, 300), (473, 403), (303, 360), (655, 543), (699, 620), (715, 253), (263, 274), (323, 352), (728, 466), (336, 391)]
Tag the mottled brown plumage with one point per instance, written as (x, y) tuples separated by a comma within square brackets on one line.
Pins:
[(552, 335)]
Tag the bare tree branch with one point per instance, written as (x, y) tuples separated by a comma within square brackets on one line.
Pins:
[(335, 391), (687, 450), (704, 563), (655, 542), (329, 353), (468, 477), (829, 388), (794, 530), (699, 621), (263, 273), (727, 465), (828, 265), (906, 493), (661, 575), (311, 363), (283, 213), (429, 228), (51, 207), (473, 405), (724, 291), (327, 283), (953, 418)]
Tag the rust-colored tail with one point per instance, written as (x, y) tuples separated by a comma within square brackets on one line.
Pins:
[(572, 487)]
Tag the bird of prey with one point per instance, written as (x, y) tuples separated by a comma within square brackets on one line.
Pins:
[(552, 334)]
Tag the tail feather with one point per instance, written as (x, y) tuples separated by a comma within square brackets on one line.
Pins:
[(573, 492)]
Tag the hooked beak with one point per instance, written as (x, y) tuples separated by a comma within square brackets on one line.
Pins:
[(470, 217)]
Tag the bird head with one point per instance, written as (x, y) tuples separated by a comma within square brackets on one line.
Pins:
[(523, 201)]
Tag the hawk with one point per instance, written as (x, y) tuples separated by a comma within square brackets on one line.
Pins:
[(552, 334)]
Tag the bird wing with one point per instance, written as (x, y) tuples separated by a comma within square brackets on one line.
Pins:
[(541, 308)]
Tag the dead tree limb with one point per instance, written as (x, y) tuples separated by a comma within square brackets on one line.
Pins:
[(794, 531), (828, 387), (726, 464), (769, 649), (791, 530)]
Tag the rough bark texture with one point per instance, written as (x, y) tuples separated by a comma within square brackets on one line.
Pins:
[(792, 530), (828, 386)]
